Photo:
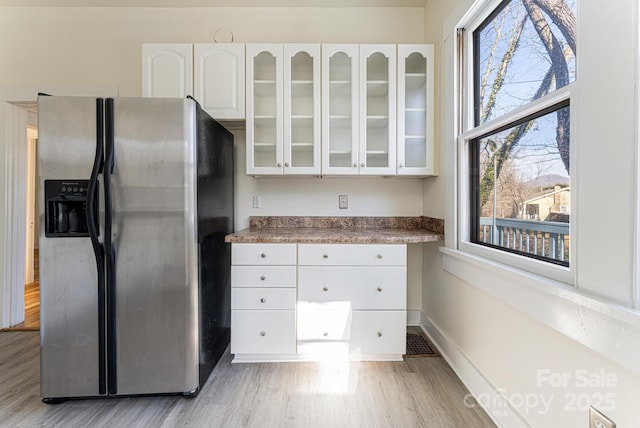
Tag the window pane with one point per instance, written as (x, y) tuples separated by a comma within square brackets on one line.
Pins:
[(521, 187), (523, 51)]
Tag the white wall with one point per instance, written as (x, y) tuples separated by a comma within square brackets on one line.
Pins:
[(101, 46), (92, 47), (498, 341)]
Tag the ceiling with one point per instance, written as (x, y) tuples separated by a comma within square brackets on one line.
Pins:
[(213, 3)]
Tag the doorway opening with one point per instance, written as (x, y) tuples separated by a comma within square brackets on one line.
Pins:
[(31, 254)]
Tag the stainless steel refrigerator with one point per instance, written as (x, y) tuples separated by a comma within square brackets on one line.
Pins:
[(134, 272)]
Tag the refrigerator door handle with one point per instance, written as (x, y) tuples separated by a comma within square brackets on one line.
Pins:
[(98, 249), (109, 249)]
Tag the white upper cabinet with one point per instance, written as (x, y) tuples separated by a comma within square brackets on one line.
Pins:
[(167, 70), (302, 109), (283, 109), (340, 109), (264, 109), (377, 110), (219, 79), (212, 73), (415, 110)]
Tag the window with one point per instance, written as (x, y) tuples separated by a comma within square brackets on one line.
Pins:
[(516, 148)]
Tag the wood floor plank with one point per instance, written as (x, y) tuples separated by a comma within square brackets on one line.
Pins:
[(419, 392)]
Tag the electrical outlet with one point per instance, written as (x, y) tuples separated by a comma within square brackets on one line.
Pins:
[(343, 202), (257, 201), (598, 420)]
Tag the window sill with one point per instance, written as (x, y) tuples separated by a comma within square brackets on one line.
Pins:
[(607, 328)]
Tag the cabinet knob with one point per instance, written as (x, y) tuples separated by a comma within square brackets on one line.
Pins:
[(286, 164), (325, 334), (379, 334), (279, 165), (263, 300), (325, 289), (262, 278), (401, 165), (262, 333), (379, 256), (263, 255), (355, 165), (379, 289), (362, 165), (325, 256)]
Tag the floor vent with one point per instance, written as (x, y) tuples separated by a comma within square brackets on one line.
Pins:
[(419, 346)]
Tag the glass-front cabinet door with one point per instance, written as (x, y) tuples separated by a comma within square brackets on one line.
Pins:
[(415, 110), (377, 109), (340, 109), (302, 109), (264, 121)]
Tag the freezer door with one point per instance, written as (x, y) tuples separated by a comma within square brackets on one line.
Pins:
[(154, 237), (68, 279)]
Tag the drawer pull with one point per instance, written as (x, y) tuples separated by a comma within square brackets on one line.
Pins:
[(262, 333), (379, 256), (325, 334), (262, 278), (263, 300), (325, 256), (379, 334), (325, 289), (379, 289), (263, 255)]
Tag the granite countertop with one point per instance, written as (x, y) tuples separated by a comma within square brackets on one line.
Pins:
[(341, 230)]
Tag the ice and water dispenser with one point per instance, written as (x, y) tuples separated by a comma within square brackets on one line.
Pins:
[(66, 208)]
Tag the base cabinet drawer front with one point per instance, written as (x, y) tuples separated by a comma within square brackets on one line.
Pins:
[(324, 321), (360, 332), (365, 287), (263, 254), (263, 298), (378, 332), (263, 276), (263, 332), (352, 255)]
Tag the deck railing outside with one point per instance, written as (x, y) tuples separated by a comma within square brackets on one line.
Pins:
[(544, 238)]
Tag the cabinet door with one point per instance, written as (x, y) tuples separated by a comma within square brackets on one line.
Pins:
[(377, 109), (219, 79), (415, 110), (302, 109), (339, 109), (167, 70), (264, 109)]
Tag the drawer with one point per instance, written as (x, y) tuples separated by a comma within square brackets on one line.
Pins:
[(378, 332), (263, 332), (263, 276), (354, 332), (263, 298), (371, 288), (263, 254), (330, 321), (352, 254)]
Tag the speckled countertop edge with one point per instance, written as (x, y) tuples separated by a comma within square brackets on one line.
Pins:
[(346, 230)]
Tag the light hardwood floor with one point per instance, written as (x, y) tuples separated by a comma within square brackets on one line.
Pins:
[(419, 392)]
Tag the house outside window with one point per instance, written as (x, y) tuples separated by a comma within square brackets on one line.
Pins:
[(518, 71)]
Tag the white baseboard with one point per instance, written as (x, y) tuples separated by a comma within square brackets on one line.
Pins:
[(413, 317), (488, 396)]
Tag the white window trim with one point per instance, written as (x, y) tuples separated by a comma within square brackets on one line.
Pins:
[(563, 274)]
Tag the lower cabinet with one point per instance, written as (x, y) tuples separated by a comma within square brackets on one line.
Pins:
[(324, 301)]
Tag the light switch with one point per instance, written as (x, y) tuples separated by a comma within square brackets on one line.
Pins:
[(343, 202)]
